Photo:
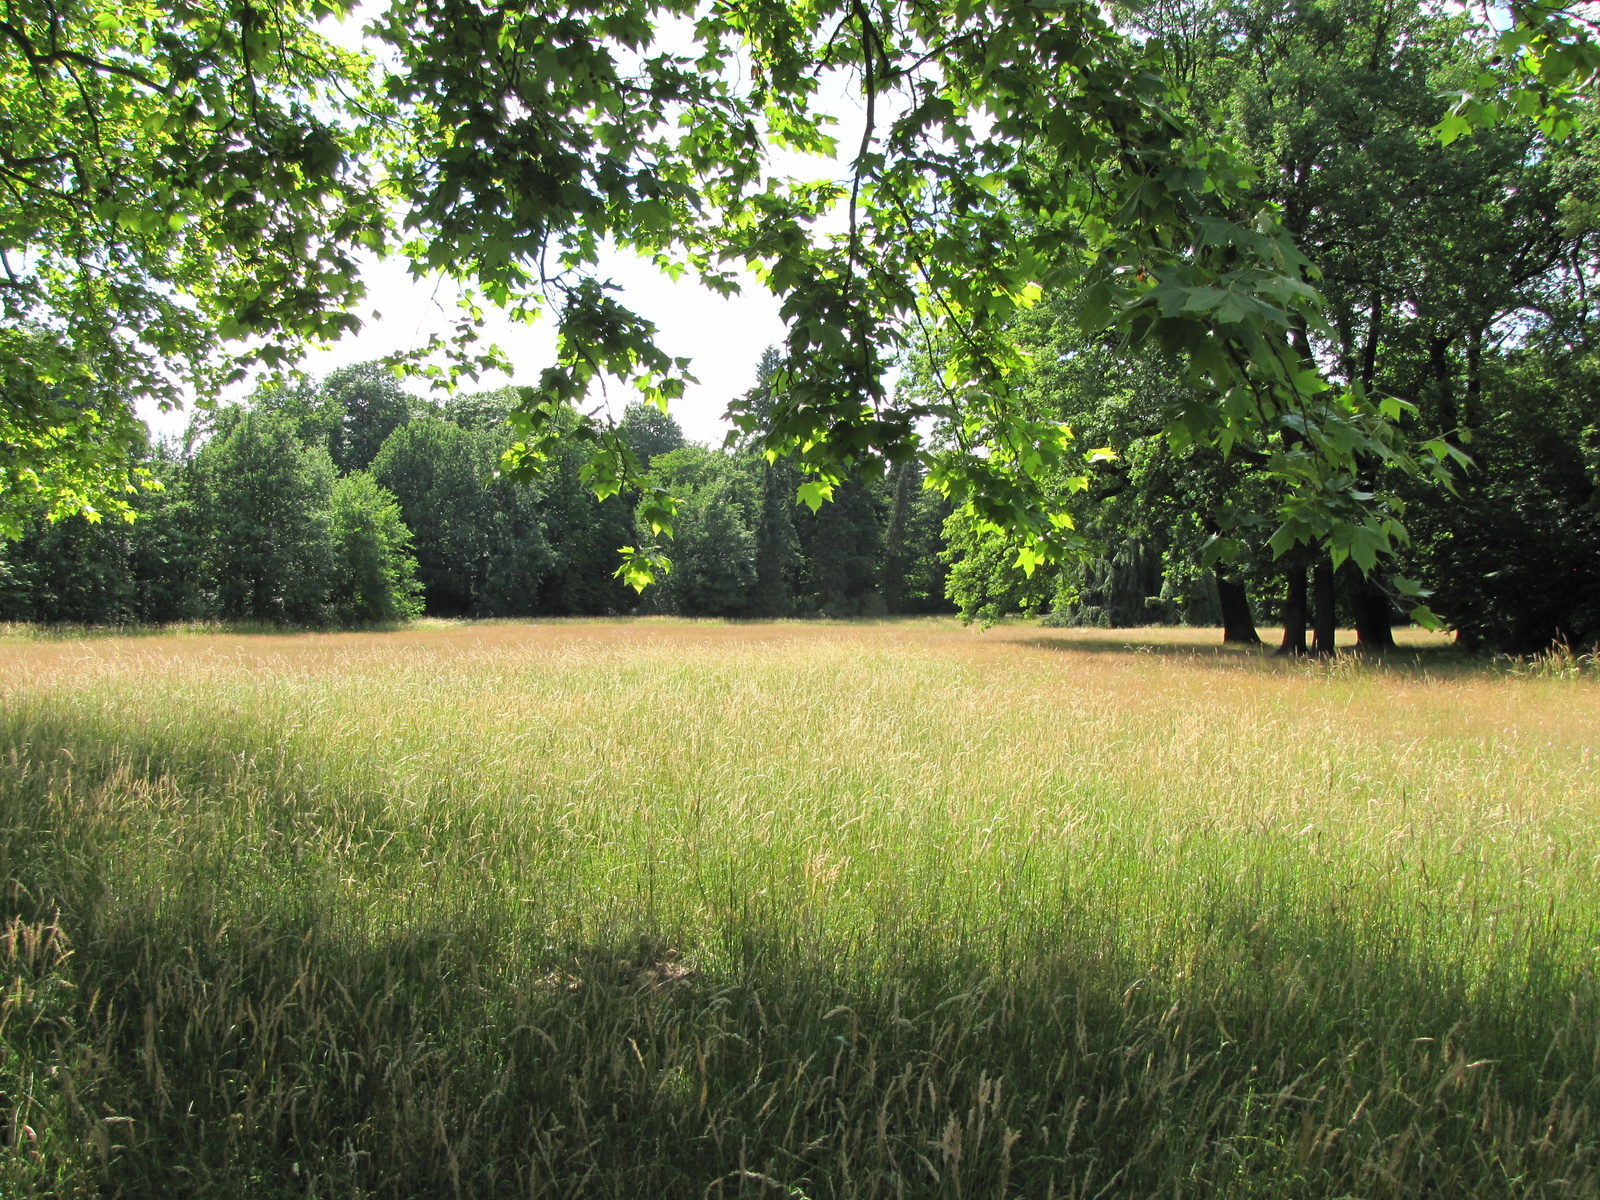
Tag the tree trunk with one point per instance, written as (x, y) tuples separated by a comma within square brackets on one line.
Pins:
[(1238, 625), (1294, 612), (1471, 409), (1369, 353), (1373, 618), (1322, 640), (1439, 360)]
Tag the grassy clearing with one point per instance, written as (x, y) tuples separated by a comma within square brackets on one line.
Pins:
[(654, 909)]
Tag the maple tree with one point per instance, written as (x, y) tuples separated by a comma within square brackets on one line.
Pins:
[(187, 190)]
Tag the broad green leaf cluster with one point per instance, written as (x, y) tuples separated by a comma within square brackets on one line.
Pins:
[(189, 190), (184, 190)]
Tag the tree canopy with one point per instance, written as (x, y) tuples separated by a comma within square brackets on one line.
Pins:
[(188, 188), (183, 189)]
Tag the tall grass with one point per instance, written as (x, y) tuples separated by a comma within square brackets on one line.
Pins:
[(653, 909)]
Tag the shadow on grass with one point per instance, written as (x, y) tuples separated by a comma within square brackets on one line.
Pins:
[(166, 1030), (202, 1053), (29, 632), (1409, 659)]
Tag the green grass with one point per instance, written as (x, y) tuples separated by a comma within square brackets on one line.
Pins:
[(665, 909)]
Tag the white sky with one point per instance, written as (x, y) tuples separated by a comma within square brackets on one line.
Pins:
[(724, 338)]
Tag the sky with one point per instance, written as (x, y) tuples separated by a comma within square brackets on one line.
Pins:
[(723, 337)]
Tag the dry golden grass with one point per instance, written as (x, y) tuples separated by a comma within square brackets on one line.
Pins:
[(670, 908)]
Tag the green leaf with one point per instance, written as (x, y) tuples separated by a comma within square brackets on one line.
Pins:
[(814, 492), (1424, 616)]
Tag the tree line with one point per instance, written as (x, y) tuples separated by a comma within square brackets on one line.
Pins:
[(191, 192), (1453, 308), (1457, 280), (349, 501)]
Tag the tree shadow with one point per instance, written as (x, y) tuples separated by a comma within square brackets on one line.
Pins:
[(1411, 660), (171, 1031)]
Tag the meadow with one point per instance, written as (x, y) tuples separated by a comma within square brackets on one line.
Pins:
[(654, 909)]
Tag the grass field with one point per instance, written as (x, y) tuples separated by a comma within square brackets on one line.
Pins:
[(647, 910)]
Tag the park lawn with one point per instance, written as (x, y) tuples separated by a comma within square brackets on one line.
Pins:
[(654, 909)]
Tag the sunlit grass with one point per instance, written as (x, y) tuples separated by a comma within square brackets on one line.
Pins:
[(656, 908)]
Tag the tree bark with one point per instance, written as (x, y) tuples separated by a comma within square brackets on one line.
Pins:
[(1374, 629), (1369, 353), (1238, 624), (1471, 409), (1439, 360), (1322, 640), (1294, 612)]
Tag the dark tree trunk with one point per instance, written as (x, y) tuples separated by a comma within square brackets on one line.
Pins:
[(1439, 359), (1373, 618), (1294, 612), (1369, 353), (1322, 617), (1302, 345), (1471, 409), (1238, 625)]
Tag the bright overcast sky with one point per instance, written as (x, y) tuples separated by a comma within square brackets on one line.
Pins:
[(724, 338)]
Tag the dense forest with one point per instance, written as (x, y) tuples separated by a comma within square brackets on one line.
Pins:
[(351, 501), (1456, 281)]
